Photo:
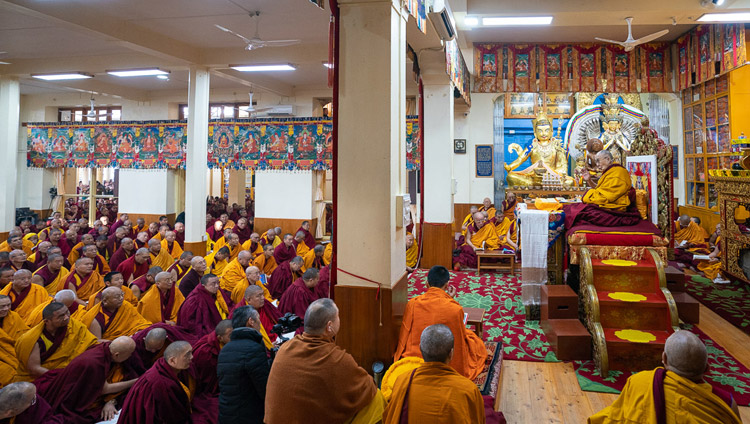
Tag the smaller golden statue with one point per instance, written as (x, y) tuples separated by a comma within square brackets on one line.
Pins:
[(546, 154)]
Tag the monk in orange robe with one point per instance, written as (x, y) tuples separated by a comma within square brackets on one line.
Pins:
[(162, 301), (613, 187), (469, 220), (436, 306), (688, 240), (235, 272), (299, 244), (52, 343), (52, 275), (216, 261), (180, 267), (482, 235), (113, 279), (252, 274), (314, 258), (10, 321), (233, 244), (676, 393), (24, 296), (171, 246), (222, 241), (113, 318), (266, 262), (437, 393), (328, 254), (100, 263), (67, 298), (8, 360), (487, 207), (705, 234), (412, 253), (159, 257), (77, 251), (253, 245), (84, 281)]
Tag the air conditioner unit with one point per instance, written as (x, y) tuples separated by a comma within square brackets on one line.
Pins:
[(281, 110), (442, 20)]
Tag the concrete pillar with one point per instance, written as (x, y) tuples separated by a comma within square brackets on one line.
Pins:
[(10, 105), (196, 164), (237, 186), (371, 176)]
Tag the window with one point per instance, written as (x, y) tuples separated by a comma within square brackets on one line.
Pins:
[(221, 110), (80, 114)]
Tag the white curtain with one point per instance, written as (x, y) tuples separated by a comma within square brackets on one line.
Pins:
[(320, 204), (57, 204)]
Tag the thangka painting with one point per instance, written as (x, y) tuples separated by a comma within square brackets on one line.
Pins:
[(416, 8), (642, 171), (413, 135)]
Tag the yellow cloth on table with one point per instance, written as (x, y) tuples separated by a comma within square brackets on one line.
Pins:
[(547, 204), (8, 360), (150, 304), (14, 326), (233, 274), (684, 401), (412, 254), (487, 235), (176, 251), (611, 191), (37, 295), (163, 259), (126, 321)]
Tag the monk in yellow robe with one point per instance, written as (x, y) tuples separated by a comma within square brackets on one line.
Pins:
[(437, 393), (235, 272), (266, 262), (171, 246), (705, 234), (234, 246), (677, 393), (469, 220), (252, 276), (507, 233), (299, 243), (328, 255), (314, 258), (412, 252), (253, 245), (688, 240), (436, 306), (16, 241), (113, 318), (62, 339), (83, 280), (487, 207), (100, 263), (614, 185), (222, 241), (509, 206), (159, 256), (162, 301), (113, 279), (77, 250), (24, 296), (8, 360), (67, 298), (51, 276), (10, 321), (482, 235), (216, 261)]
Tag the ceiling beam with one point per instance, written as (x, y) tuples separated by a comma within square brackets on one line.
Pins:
[(91, 86), (260, 82)]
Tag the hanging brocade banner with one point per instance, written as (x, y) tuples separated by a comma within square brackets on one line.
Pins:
[(730, 46), (416, 9), (488, 68), (458, 72), (684, 62), (703, 53), (413, 135), (586, 68), (553, 67), (621, 70), (655, 68), (522, 69)]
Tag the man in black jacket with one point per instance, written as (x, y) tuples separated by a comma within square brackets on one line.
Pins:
[(243, 370)]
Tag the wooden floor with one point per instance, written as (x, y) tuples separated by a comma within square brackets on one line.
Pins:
[(537, 392)]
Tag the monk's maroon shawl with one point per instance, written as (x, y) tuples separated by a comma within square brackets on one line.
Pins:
[(156, 397), (283, 253), (142, 359), (309, 238), (297, 298), (198, 313), (39, 413), (281, 278), (203, 370)]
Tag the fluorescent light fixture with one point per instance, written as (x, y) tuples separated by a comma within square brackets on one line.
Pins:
[(328, 65), (263, 68), (62, 76), (163, 77), (725, 17), (517, 20), (138, 72), (471, 21)]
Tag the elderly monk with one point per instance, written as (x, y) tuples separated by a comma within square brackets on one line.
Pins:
[(135, 266), (171, 246), (412, 253), (234, 273), (93, 397), (309, 237), (299, 244), (24, 296), (52, 275), (153, 230), (140, 225), (57, 240), (159, 257), (181, 266), (52, 343), (487, 207), (234, 246), (203, 370), (114, 242), (313, 258), (436, 306), (321, 380), (192, 277), (469, 220), (252, 277), (101, 248), (688, 239), (283, 276), (217, 261), (141, 240), (10, 322), (113, 279), (676, 393), (222, 241), (481, 236), (285, 251), (140, 285), (77, 251), (18, 260), (112, 317), (509, 206), (204, 307), (20, 404), (507, 234), (300, 294), (179, 234), (151, 342), (125, 251), (269, 314), (242, 230), (162, 301), (253, 245), (15, 242), (100, 264), (39, 258), (84, 281), (161, 395), (266, 262), (67, 298), (437, 393), (269, 237), (8, 360)]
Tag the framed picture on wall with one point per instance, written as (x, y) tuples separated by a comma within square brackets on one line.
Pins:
[(459, 145), (675, 162), (484, 164)]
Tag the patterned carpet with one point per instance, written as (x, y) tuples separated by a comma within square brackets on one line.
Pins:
[(729, 301)]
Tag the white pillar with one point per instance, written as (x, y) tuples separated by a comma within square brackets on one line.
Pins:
[(10, 104), (197, 154), (438, 153)]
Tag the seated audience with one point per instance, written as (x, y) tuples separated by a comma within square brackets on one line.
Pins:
[(313, 258), (125, 251), (488, 207), (203, 368), (52, 275), (83, 280), (18, 260), (181, 266), (135, 266), (171, 246), (192, 277), (204, 307), (285, 251), (234, 273), (412, 253), (24, 296), (252, 277), (283, 276), (10, 322), (253, 245), (162, 301), (112, 317), (159, 257), (217, 261), (265, 261), (481, 236), (309, 237), (299, 244), (300, 294), (67, 298), (140, 285), (269, 314)]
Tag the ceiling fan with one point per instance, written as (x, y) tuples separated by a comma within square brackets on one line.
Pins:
[(92, 113), (252, 110), (630, 43), (256, 42)]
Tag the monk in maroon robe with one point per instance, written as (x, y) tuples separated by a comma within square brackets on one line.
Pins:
[(300, 294), (20, 404), (114, 241), (203, 370), (40, 257), (125, 251), (161, 395), (56, 240), (283, 276), (151, 342), (285, 251), (182, 265), (323, 289), (242, 230), (204, 307), (192, 277), (309, 238), (179, 234), (140, 285), (136, 265), (268, 313)]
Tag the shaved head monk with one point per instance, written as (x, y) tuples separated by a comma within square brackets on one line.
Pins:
[(314, 258), (412, 253), (203, 369), (52, 343), (252, 277), (39, 258), (113, 279), (321, 380), (135, 266), (436, 306), (487, 207), (284, 275), (204, 307), (125, 249), (162, 301), (234, 273), (309, 237), (6, 276), (300, 294), (140, 285), (10, 321), (161, 395), (217, 260), (84, 281), (100, 264), (24, 296), (67, 298), (20, 404), (266, 262), (242, 230), (159, 256), (181, 266), (113, 317), (79, 393), (481, 236), (676, 393), (269, 237), (192, 277), (151, 342), (437, 393), (171, 246), (285, 251), (688, 240), (268, 313), (18, 260), (141, 239), (233, 243), (77, 251), (253, 245), (299, 244)]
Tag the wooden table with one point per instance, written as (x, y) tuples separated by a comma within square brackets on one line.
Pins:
[(496, 254), (476, 318)]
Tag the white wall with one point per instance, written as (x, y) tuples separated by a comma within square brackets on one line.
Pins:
[(147, 191), (676, 139), (284, 194), (476, 126)]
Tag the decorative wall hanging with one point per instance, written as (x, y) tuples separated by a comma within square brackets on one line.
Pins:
[(457, 70), (416, 9)]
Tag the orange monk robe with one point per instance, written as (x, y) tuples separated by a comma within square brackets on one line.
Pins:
[(311, 261), (126, 321), (302, 249), (247, 245), (75, 254), (127, 293), (176, 251), (438, 394), (163, 259), (693, 233), (77, 339), (234, 273), (55, 285), (214, 266), (486, 235), (238, 293), (705, 234), (436, 306), (469, 220), (8, 360), (233, 253), (611, 191), (502, 233), (218, 244), (27, 246), (684, 401), (328, 254), (36, 315), (13, 325), (711, 269), (412, 254), (84, 289), (150, 305), (491, 212), (265, 265), (34, 295)]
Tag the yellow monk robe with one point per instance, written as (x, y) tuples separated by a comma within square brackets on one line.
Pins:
[(684, 402), (26, 246), (176, 250), (486, 235), (248, 244), (214, 266), (302, 249), (36, 315), (14, 325), (265, 265), (75, 254), (693, 233), (412, 254), (469, 220), (128, 297), (502, 233), (233, 253), (238, 293), (36, 295), (234, 273), (84, 290), (611, 191), (150, 304), (125, 322), (711, 269), (77, 339), (163, 259), (8, 360), (221, 242), (58, 283), (309, 259), (491, 212), (328, 254), (436, 306)]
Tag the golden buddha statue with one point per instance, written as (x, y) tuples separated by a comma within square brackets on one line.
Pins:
[(612, 136), (546, 154)]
